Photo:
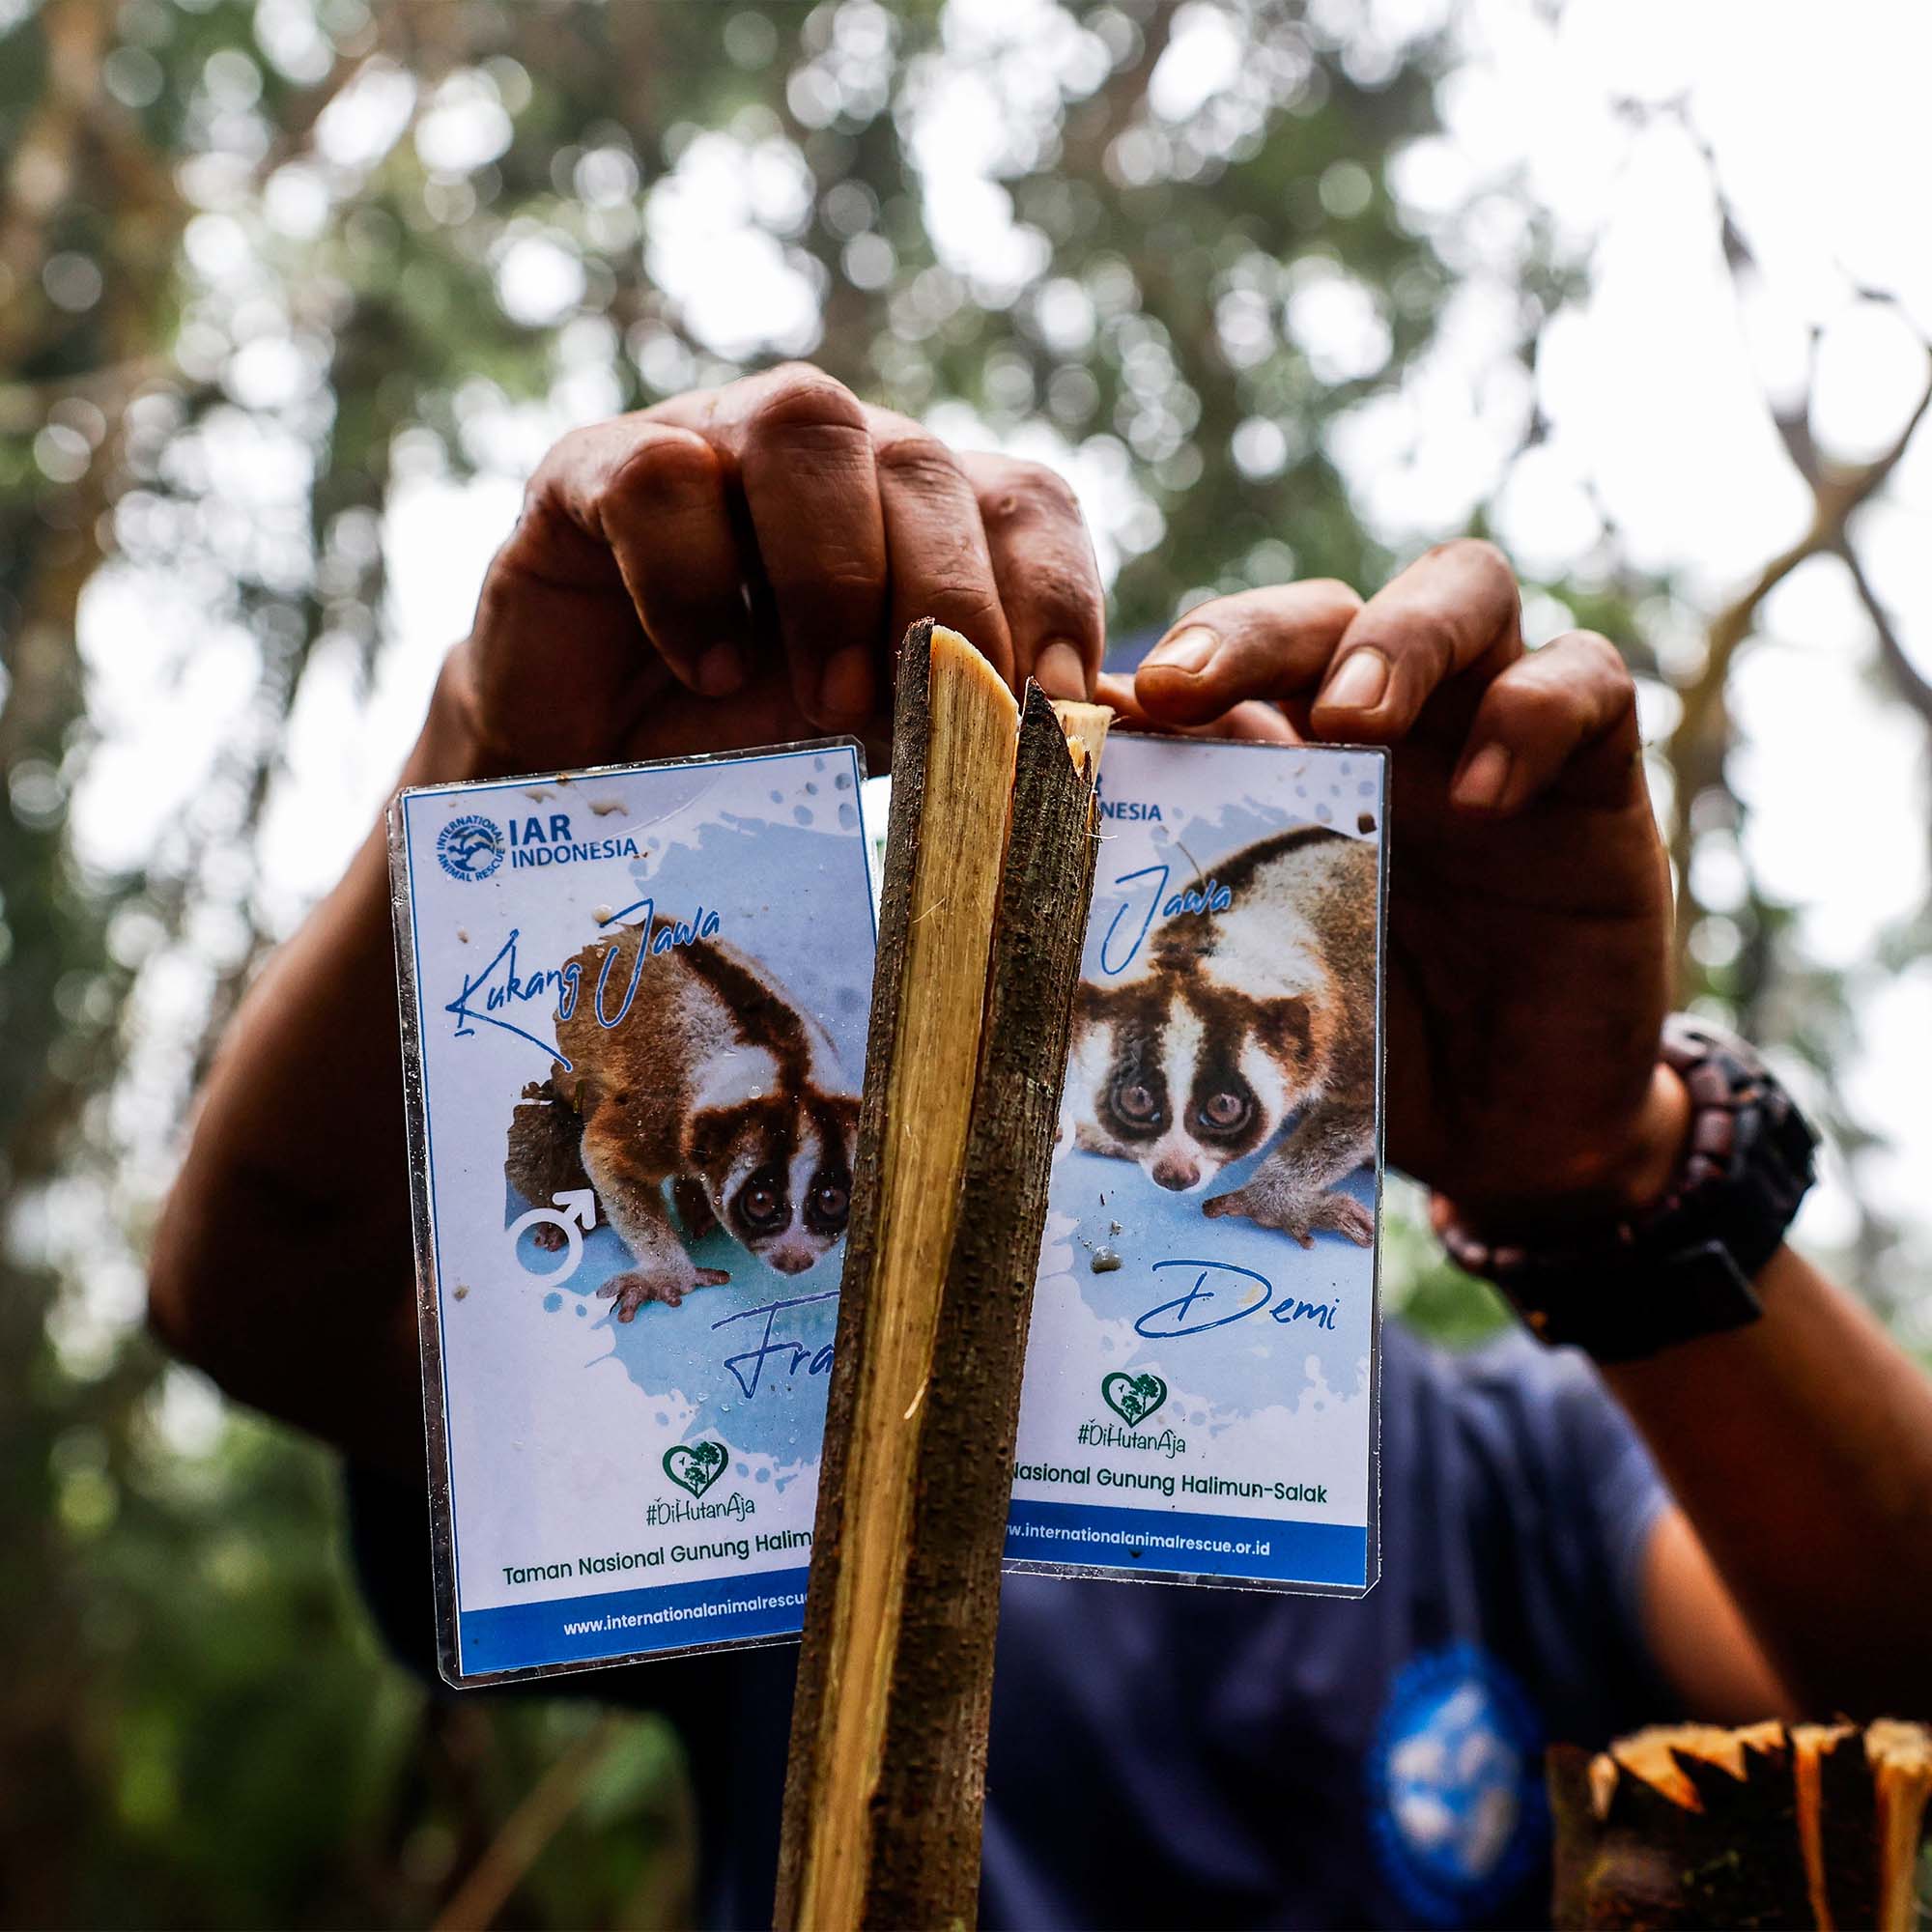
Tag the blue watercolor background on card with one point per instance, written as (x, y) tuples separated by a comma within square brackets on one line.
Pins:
[(1250, 1362), (751, 1354)]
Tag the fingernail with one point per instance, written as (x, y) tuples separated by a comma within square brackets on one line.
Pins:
[(1186, 650), (721, 670), (1359, 684), (1484, 779), (1060, 671), (846, 690)]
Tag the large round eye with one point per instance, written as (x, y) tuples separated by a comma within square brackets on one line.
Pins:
[(762, 1203), (1225, 1113), (830, 1203), (1136, 1102)]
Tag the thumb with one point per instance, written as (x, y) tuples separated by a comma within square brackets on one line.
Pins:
[(1270, 643)]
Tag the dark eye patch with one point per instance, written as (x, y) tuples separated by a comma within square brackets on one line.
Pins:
[(828, 1201), (762, 1206), (1135, 1102), (1223, 1110)]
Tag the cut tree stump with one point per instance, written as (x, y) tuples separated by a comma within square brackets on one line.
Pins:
[(1691, 1826), (988, 879)]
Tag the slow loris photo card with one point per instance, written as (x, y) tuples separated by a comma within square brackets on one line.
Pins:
[(1199, 1395), (634, 1018)]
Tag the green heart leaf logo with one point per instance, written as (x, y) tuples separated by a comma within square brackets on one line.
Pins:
[(1132, 1398), (697, 1465)]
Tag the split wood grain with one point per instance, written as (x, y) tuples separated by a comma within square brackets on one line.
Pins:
[(1686, 1826), (988, 878)]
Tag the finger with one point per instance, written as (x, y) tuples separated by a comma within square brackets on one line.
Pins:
[(805, 462), (1566, 712), (937, 561), (1114, 689), (1452, 610), (1273, 643), (1049, 580), (1256, 721), (643, 503)]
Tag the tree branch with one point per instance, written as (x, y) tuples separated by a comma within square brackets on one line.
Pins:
[(527, 1832), (1838, 492), (1697, 747), (1913, 687)]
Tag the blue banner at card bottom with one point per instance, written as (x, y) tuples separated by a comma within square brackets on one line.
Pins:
[(1173, 1541), (622, 1623)]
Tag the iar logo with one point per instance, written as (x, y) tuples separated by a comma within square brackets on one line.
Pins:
[(1132, 1398), (471, 847), (696, 1465)]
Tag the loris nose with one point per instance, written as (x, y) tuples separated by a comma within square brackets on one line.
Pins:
[(789, 1261), (1179, 1174)]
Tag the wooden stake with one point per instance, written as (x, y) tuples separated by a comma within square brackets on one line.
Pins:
[(979, 947)]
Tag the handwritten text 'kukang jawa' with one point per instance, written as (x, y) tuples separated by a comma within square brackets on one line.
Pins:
[(501, 989)]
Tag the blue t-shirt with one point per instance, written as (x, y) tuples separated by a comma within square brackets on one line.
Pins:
[(1168, 1756)]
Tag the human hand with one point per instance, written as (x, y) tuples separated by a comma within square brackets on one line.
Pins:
[(737, 566), (1530, 897)]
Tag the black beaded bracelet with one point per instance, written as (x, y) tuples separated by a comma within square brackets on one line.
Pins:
[(1683, 1267)]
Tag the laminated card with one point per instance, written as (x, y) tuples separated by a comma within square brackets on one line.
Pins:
[(634, 1018), (1200, 1394)]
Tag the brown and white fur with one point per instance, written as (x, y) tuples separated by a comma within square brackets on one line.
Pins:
[(713, 1080), (1232, 1022)]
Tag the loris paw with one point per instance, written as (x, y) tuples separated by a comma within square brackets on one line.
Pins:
[(693, 1209), (548, 1235), (1342, 1214), (1299, 1217), (634, 1288)]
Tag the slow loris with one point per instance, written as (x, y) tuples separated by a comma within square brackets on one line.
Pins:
[(1228, 1023), (712, 1079)]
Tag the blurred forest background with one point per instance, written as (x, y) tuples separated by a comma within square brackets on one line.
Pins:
[(292, 292)]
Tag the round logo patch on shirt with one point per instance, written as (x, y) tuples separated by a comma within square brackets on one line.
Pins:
[(1456, 1784)]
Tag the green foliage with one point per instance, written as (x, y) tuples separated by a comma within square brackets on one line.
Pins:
[(1422, 1286), (237, 1749)]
